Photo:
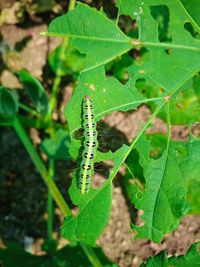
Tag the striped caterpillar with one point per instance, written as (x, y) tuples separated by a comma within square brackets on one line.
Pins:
[(90, 145)]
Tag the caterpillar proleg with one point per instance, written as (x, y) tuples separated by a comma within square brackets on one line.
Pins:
[(90, 145)]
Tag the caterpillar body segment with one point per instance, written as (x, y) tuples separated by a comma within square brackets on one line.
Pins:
[(90, 145)]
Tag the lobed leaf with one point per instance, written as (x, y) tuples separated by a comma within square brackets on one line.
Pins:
[(191, 259), (94, 209), (171, 52), (94, 35), (184, 107), (166, 188), (107, 93)]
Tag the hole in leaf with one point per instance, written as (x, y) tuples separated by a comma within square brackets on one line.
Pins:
[(101, 174), (97, 180), (119, 68), (189, 27), (168, 51), (140, 54), (140, 84), (135, 169), (139, 221), (161, 14), (109, 138), (129, 26)]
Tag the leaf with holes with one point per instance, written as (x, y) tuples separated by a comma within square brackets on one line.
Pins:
[(94, 35), (184, 108), (170, 51), (191, 259), (166, 192), (94, 207)]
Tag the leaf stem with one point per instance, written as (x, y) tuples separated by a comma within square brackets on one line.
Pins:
[(50, 209), (72, 4), (118, 13), (28, 109), (41, 167), (170, 45), (168, 125), (57, 80), (91, 256), (55, 90), (5, 123)]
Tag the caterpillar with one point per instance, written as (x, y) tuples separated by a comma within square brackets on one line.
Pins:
[(89, 145)]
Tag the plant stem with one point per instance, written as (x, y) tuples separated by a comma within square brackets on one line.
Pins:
[(41, 167), (28, 109), (91, 256), (58, 77), (54, 94), (50, 209), (5, 123), (72, 4), (118, 13), (168, 124)]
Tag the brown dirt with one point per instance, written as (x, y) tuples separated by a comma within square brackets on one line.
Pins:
[(30, 48)]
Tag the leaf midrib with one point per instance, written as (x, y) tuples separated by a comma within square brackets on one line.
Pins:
[(86, 37)]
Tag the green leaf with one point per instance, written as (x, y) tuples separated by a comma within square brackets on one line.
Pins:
[(8, 103), (184, 107), (107, 93), (67, 62), (191, 259), (170, 54), (94, 208), (92, 33), (192, 8), (134, 171), (193, 196), (190, 170), (57, 146), (158, 143), (35, 90), (166, 188), (68, 256), (160, 260), (119, 67), (92, 218)]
